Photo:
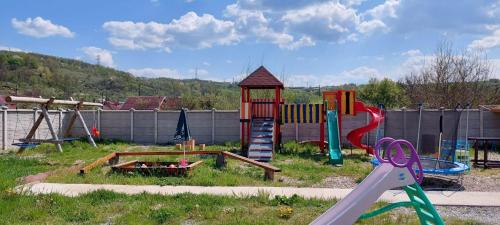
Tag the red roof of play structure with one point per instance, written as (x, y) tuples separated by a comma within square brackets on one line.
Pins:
[(261, 78)]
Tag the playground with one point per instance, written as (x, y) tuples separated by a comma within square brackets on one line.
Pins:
[(421, 166)]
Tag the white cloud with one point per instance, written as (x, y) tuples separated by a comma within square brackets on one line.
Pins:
[(155, 72), (229, 61), (254, 24), (384, 10), (489, 41), (412, 53), (104, 56), (189, 31), (206, 64), (40, 28), (12, 49), (357, 75), (371, 26), (329, 21), (295, 24)]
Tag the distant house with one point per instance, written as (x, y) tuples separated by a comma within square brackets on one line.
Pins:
[(151, 103), (3, 102), (172, 103), (111, 105)]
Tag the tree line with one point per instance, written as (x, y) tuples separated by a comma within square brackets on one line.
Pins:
[(449, 79)]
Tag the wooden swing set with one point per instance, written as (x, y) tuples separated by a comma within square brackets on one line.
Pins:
[(29, 141)]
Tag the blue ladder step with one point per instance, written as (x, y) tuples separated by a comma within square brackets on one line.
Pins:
[(260, 147)]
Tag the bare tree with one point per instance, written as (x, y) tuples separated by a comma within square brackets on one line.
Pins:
[(452, 79)]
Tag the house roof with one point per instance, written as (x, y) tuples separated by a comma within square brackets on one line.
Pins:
[(3, 102), (111, 105), (261, 78), (143, 102)]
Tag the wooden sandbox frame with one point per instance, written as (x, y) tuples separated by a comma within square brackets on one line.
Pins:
[(114, 158)]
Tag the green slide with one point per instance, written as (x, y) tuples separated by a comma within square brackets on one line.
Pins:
[(334, 149)]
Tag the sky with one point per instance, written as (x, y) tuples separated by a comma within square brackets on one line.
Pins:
[(306, 42)]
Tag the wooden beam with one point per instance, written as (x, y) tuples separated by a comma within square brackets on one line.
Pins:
[(97, 163), (72, 120), (251, 161), (169, 153), (85, 128), (125, 163), (45, 112), (17, 99)]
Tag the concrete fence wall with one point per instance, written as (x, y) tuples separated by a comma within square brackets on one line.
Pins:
[(217, 127)]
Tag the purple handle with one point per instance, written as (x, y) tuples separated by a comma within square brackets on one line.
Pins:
[(378, 149), (400, 160)]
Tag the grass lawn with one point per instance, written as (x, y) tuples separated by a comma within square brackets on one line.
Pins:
[(301, 166), (104, 207)]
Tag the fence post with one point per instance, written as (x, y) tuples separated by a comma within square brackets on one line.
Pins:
[(132, 124), (4, 127), (481, 122), (213, 126), (99, 111), (60, 126), (404, 122), (156, 125), (35, 114)]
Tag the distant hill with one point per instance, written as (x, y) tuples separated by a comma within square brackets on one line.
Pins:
[(32, 74)]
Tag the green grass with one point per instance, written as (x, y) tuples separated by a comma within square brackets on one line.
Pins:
[(107, 207), (302, 166)]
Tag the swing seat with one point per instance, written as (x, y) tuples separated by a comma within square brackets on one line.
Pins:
[(70, 139), (25, 145), (40, 141)]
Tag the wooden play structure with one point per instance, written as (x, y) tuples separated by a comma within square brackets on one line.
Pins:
[(114, 158), (29, 141), (259, 117)]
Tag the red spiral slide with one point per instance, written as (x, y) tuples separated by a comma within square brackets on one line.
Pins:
[(356, 135)]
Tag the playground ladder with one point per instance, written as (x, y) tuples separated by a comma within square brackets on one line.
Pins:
[(261, 140)]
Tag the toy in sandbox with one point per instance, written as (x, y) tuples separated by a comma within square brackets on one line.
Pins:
[(260, 119), (437, 136), (30, 141), (398, 170)]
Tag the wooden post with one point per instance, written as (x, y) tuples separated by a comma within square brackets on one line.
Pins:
[(99, 111), (249, 123), (4, 127), (32, 132), (213, 126), (85, 128), (132, 124), (60, 120), (45, 113), (156, 125), (35, 115), (73, 119), (338, 95)]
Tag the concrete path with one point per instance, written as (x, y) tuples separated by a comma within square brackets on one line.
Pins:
[(446, 198)]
